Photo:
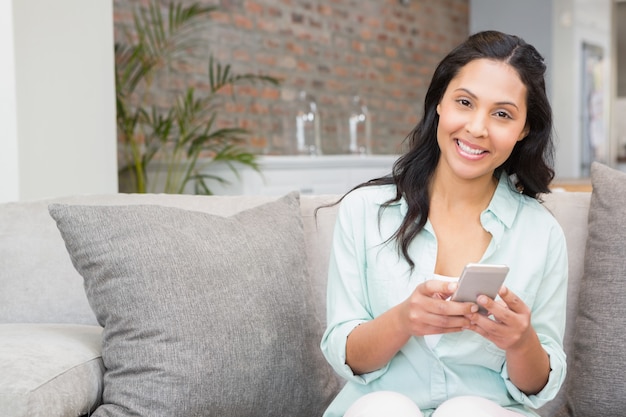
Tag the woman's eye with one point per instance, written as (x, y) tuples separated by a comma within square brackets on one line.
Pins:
[(464, 102), (503, 114)]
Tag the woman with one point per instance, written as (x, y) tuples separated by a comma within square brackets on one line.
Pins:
[(465, 192)]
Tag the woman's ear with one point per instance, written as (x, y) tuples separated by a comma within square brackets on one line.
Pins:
[(524, 133), (439, 109)]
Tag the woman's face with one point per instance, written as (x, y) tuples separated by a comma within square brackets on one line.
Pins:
[(482, 115)]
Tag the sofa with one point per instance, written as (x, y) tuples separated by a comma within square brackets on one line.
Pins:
[(180, 305)]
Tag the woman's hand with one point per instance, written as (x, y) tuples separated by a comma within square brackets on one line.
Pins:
[(511, 325), (373, 343), (528, 363), (426, 311)]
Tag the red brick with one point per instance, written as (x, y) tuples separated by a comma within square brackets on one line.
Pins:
[(380, 49)]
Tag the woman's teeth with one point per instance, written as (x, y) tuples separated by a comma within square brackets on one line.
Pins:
[(469, 150)]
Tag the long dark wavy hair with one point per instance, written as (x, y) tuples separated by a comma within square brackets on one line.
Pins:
[(531, 160)]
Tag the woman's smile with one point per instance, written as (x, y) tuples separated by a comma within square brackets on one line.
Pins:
[(470, 151)]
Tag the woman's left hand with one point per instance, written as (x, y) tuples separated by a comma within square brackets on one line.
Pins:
[(510, 327), (528, 363)]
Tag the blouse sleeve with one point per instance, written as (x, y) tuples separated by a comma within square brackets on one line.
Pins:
[(347, 306)]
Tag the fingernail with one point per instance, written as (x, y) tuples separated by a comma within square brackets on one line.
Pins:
[(474, 308)]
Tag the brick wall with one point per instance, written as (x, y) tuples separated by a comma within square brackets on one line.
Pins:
[(382, 50)]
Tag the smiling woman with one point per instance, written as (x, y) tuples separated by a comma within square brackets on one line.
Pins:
[(482, 115), (465, 192)]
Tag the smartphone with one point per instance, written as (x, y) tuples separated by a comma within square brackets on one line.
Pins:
[(477, 279)]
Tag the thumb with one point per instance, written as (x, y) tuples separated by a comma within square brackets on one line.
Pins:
[(451, 287), (438, 287)]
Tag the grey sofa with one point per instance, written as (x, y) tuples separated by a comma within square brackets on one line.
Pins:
[(50, 339)]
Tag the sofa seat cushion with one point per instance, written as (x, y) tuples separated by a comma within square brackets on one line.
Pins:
[(50, 370), (202, 314)]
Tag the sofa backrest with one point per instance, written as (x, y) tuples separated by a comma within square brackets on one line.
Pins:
[(571, 210)]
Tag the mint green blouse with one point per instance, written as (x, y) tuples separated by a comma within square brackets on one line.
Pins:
[(367, 276)]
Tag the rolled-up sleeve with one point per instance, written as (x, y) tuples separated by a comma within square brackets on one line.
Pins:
[(346, 293)]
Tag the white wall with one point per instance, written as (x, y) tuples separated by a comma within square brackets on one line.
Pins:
[(565, 101), (64, 110), (578, 22), (528, 19), (9, 173), (619, 103)]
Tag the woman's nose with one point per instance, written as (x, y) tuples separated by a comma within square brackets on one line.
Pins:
[(477, 125)]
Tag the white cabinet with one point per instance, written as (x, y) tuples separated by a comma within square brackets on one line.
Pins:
[(332, 174)]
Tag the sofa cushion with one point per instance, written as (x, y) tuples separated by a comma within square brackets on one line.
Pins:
[(202, 314), (49, 369), (596, 381)]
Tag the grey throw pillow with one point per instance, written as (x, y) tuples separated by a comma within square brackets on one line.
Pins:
[(597, 381), (203, 315)]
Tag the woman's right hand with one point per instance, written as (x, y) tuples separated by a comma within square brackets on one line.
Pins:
[(373, 343), (428, 311)]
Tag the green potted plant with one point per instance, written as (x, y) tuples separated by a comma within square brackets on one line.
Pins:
[(165, 146)]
